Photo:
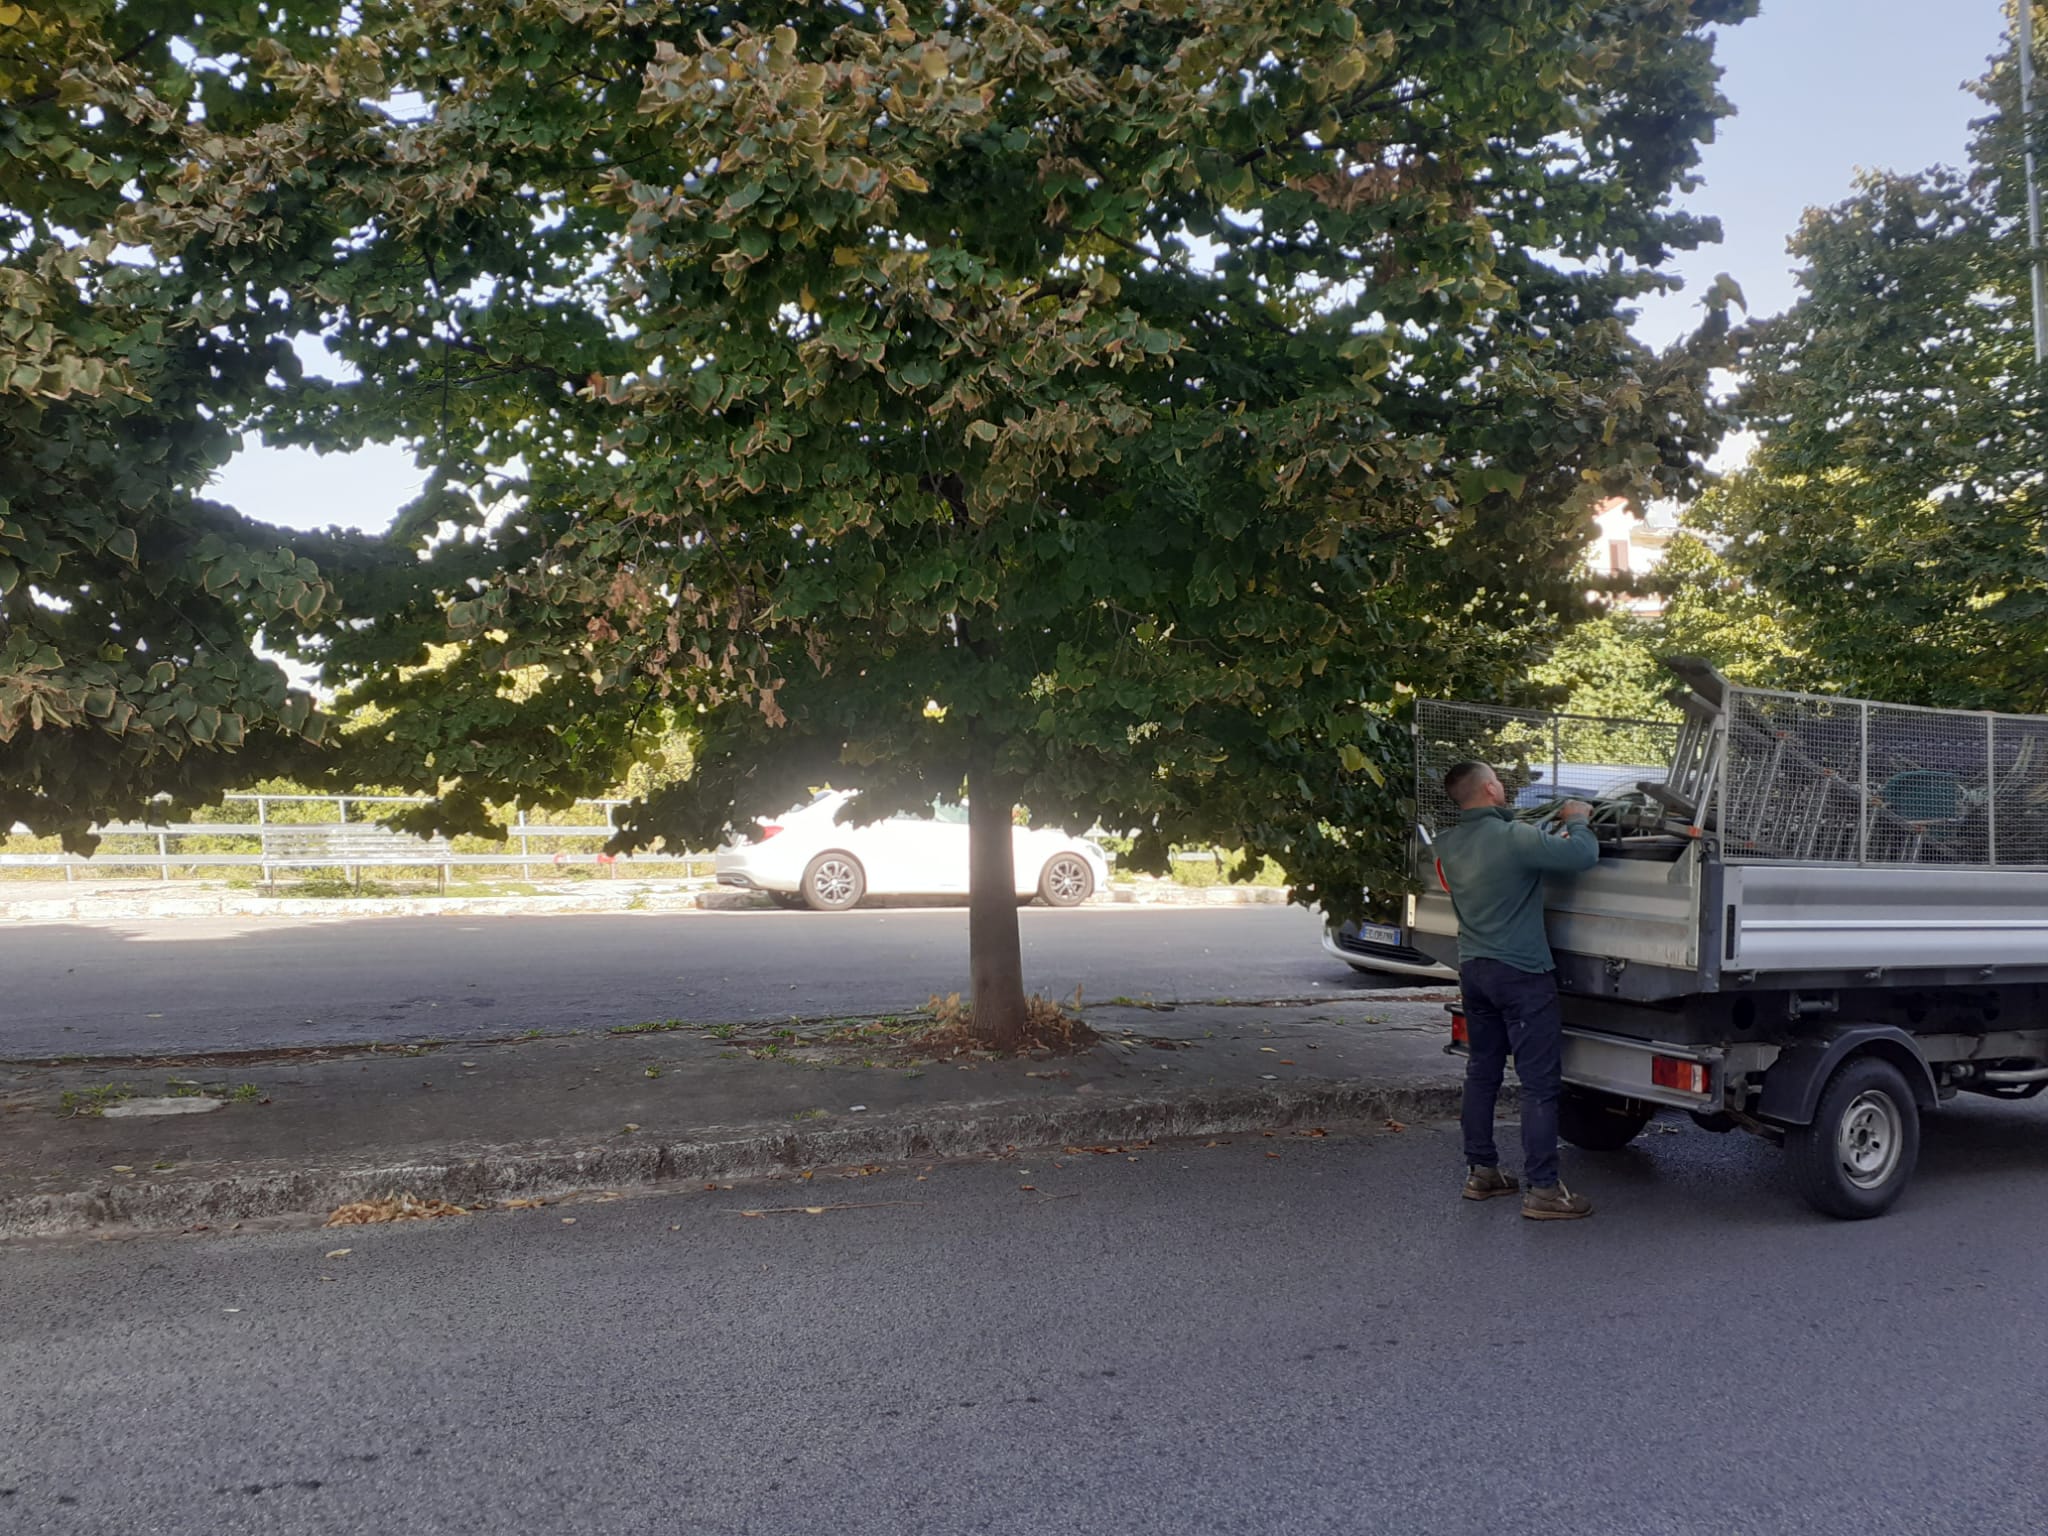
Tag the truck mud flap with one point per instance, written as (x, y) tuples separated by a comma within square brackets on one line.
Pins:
[(1793, 1084)]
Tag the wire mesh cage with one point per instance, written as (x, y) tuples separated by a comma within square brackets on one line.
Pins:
[(1846, 781), (1541, 758)]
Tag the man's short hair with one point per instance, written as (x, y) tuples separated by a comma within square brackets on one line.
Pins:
[(1463, 778)]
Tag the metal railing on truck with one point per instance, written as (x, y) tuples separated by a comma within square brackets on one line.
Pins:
[(1776, 776), (298, 832)]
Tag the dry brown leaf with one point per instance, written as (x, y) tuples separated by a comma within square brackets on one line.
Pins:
[(521, 1205), (1395, 1125), (406, 1207), (339, 1253), (1030, 1188), (1272, 1154), (1286, 1062), (568, 1221)]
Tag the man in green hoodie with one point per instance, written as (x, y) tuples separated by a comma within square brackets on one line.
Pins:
[(1493, 866)]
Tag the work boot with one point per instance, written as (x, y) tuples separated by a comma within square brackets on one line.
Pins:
[(1485, 1183), (1553, 1202)]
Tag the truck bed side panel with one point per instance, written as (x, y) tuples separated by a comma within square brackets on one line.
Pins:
[(1636, 910), (1812, 917)]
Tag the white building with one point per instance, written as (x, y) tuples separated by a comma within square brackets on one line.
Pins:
[(1626, 546)]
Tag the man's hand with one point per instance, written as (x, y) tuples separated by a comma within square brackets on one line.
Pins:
[(1574, 810)]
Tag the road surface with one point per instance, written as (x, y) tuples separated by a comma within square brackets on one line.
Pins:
[(1290, 1336), (257, 983)]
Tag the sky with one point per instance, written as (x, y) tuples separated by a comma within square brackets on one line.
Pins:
[(1821, 88)]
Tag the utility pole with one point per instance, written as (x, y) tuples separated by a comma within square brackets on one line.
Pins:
[(2026, 10)]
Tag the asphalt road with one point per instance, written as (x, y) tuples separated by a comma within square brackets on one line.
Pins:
[(252, 983), (1291, 1336)]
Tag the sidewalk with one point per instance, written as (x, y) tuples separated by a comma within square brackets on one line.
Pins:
[(117, 1143)]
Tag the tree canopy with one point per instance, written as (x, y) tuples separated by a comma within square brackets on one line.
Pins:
[(130, 606), (1893, 510), (1117, 408)]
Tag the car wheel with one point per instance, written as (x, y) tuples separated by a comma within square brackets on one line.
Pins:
[(834, 882), (1067, 881), (1857, 1155)]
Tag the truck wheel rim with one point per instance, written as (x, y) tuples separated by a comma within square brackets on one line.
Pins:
[(1067, 879), (1868, 1142), (834, 882)]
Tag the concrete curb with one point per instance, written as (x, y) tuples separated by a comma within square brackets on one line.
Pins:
[(153, 907), (467, 1176)]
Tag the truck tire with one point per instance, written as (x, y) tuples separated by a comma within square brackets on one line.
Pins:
[(1855, 1158), (1600, 1122)]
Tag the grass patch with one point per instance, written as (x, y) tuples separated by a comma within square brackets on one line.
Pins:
[(91, 1103), (650, 1027), (809, 1114)]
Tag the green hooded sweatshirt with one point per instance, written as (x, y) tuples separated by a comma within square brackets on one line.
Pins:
[(1493, 866)]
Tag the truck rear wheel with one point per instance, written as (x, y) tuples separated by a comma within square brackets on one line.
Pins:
[(1600, 1122), (1854, 1160)]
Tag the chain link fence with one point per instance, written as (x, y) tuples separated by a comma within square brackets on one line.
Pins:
[(1845, 781), (1541, 758)]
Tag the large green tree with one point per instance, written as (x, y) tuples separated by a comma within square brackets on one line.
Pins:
[(1113, 408), (131, 607), (1893, 511)]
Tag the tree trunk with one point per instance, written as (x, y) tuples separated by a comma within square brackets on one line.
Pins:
[(995, 956)]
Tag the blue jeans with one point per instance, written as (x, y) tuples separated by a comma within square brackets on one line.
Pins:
[(1507, 1009)]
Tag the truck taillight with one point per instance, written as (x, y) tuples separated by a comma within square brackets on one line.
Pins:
[(1676, 1072), (1459, 1034)]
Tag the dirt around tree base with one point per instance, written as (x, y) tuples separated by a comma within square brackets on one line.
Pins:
[(1050, 1029)]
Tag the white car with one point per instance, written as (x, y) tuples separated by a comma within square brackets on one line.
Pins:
[(1381, 949), (810, 857)]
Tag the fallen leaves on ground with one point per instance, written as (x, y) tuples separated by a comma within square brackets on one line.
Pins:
[(1396, 1125), (523, 1204), (1050, 1026), (406, 1207), (1108, 1151), (339, 1253)]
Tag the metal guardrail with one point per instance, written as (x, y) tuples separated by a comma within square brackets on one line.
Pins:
[(350, 841)]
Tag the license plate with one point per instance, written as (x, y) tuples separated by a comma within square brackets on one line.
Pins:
[(1380, 933)]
